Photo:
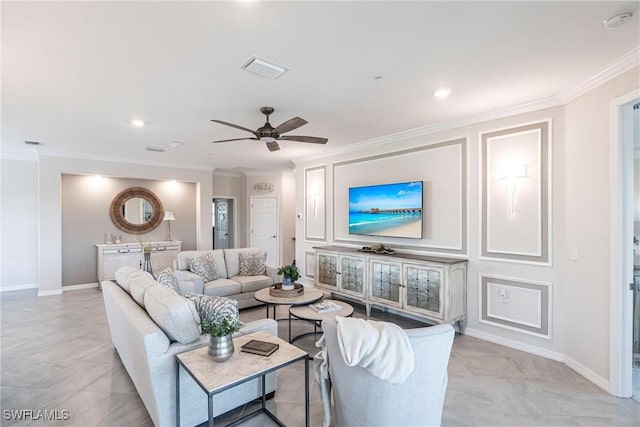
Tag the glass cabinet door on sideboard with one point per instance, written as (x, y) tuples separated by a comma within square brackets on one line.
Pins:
[(386, 282), (352, 275), (423, 285), (327, 270)]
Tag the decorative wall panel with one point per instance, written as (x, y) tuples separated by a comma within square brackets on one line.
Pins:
[(515, 304), (515, 194), (315, 224)]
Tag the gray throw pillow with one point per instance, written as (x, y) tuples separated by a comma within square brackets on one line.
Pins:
[(253, 263), (204, 266), (217, 307), (168, 279)]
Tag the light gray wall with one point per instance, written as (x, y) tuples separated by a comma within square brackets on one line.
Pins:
[(18, 223), (85, 219), (587, 217), (226, 186), (50, 173)]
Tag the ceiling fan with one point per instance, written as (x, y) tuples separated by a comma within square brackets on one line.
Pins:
[(271, 135)]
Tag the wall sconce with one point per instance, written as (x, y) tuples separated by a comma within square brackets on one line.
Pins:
[(168, 216), (510, 174), (314, 194)]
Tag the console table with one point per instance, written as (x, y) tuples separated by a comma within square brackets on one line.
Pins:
[(433, 288), (112, 257)]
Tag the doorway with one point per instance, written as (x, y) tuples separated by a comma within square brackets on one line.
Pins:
[(222, 210), (631, 130), (264, 227)]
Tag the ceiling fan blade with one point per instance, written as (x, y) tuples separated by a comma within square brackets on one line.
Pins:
[(234, 139), (290, 125), (311, 139), (234, 126), (273, 146)]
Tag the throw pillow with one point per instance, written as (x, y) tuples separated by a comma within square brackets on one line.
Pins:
[(168, 279), (204, 266), (253, 263), (216, 307)]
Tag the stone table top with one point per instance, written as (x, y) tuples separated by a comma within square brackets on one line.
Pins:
[(310, 295), (307, 313), (214, 377)]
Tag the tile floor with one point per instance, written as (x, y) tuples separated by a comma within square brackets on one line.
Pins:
[(56, 354)]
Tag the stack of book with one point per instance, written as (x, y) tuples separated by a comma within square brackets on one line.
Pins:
[(325, 307)]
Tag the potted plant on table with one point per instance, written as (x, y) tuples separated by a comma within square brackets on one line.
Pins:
[(290, 274), (220, 330)]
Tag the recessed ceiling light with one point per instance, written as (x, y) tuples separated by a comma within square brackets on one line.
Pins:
[(442, 93), (137, 123), (264, 67), (175, 144)]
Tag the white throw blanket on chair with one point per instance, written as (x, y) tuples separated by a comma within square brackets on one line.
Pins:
[(380, 347)]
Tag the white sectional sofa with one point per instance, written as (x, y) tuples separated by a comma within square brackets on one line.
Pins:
[(230, 284), (149, 325)]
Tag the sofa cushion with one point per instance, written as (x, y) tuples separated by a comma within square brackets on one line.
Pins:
[(124, 275), (232, 259), (184, 258), (214, 307), (253, 283), (252, 263), (139, 286), (174, 314), (222, 288), (168, 279), (204, 266)]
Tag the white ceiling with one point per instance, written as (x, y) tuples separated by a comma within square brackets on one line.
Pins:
[(74, 74)]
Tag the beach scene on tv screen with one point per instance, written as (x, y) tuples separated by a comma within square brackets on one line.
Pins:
[(390, 210)]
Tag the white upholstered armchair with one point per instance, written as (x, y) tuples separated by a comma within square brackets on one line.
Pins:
[(360, 399)]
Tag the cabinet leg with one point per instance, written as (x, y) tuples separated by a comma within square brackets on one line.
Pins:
[(368, 307), (462, 323)]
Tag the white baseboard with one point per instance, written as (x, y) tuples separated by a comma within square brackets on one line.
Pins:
[(538, 351), (82, 286), (588, 374), (49, 293), (19, 287)]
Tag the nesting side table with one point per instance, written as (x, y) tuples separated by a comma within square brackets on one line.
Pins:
[(214, 378)]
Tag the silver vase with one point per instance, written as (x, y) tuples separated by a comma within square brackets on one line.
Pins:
[(147, 263), (221, 348)]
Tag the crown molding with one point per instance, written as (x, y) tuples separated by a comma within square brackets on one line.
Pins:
[(23, 155), (621, 65), (115, 159), (527, 107), (227, 173)]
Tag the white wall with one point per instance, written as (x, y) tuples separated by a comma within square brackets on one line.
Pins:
[(587, 217), (50, 213), (86, 200), (18, 223), (580, 218)]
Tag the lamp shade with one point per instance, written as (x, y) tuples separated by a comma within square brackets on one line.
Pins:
[(168, 216)]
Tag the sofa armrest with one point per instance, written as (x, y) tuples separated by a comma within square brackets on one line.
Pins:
[(271, 272), (187, 276), (268, 325)]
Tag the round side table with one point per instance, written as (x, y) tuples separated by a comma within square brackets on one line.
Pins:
[(309, 296), (309, 314)]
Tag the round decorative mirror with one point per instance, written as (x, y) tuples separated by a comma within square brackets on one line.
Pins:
[(136, 210)]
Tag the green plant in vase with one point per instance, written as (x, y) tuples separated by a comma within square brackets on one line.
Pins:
[(290, 274), (220, 330)]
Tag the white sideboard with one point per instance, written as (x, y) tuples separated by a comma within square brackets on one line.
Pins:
[(434, 288), (112, 257)]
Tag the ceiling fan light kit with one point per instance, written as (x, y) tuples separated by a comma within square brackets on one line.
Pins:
[(271, 135)]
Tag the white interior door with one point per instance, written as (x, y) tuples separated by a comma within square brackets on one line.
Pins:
[(264, 227)]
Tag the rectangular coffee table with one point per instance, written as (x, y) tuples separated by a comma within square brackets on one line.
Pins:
[(214, 378)]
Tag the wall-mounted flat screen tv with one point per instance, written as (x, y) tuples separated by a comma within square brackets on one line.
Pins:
[(389, 210)]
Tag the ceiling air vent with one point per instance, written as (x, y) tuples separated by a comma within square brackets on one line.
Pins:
[(34, 143), (156, 149), (264, 68)]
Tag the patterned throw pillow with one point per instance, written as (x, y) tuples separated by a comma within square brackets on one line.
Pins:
[(168, 279), (218, 307), (204, 266), (253, 263)]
